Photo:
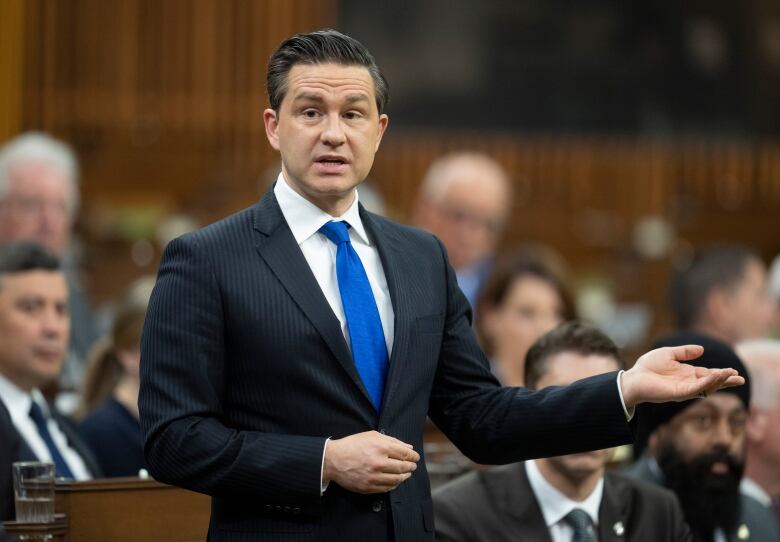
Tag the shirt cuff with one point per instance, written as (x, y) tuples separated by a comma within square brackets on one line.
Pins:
[(323, 483), (629, 413)]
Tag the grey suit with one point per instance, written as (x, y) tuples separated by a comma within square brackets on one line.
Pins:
[(759, 521), (499, 505)]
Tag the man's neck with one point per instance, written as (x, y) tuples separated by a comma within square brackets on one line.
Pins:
[(763, 475), (576, 490)]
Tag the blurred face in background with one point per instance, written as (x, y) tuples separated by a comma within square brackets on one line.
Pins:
[(530, 308), (37, 207), (701, 452), (747, 311), (561, 370), (470, 212), (34, 327)]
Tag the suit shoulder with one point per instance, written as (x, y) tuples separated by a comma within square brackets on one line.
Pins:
[(229, 228), (406, 232), (648, 491)]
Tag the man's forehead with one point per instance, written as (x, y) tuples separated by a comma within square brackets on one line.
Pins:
[(43, 281), (316, 78), (723, 402)]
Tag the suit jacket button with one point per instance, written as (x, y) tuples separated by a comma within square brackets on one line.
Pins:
[(287, 509), (278, 507), (382, 431), (376, 506), (296, 510), (268, 507)]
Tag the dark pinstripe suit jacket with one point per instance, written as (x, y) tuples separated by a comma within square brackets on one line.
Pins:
[(245, 373)]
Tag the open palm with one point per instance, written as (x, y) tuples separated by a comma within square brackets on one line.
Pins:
[(660, 376)]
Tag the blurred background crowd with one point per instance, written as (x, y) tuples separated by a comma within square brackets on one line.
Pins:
[(611, 162)]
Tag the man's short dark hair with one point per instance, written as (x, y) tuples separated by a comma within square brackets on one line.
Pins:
[(321, 47), (575, 337), (721, 267), (24, 256)]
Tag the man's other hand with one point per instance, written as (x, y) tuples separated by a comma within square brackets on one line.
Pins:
[(659, 377), (369, 462)]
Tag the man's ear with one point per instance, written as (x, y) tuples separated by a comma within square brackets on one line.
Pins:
[(383, 120), (756, 425), (271, 122), (717, 306)]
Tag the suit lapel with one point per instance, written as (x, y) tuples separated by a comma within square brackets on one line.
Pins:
[(519, 503), (277, 246), (612, 511), (393, 263)]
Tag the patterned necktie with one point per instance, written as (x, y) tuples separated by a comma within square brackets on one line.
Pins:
[(582, 525), (363, 324), (63, 471)]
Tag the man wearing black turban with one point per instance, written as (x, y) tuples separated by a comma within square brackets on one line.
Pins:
[(697, 448)]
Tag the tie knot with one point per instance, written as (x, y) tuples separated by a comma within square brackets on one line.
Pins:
[(581, 523), (337, 232)]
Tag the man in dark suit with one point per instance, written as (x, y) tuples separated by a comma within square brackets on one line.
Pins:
[(292, 351), (34, 327), (539, 500), (697, 449)]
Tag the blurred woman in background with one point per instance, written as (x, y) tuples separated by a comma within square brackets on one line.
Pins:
[(525, 297), (110, 398)]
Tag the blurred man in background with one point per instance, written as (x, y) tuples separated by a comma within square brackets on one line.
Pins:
[(464, 200), (762, 468), (696, 448), (39, 198), (563, 498), (723, 294), (34, 330)]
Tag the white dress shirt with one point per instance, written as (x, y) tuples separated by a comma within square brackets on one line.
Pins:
[(18, 403), (752, 489), (555, 505), (305, 219)]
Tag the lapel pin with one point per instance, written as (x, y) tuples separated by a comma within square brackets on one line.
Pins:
[(743, 533), (618, 528)]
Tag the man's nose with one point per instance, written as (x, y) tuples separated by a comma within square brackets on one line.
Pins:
[(53, 322), (724, 434), (333, 135)]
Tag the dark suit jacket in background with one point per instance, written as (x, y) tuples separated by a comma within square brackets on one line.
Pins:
[(15, 448), (499, 505), (760, 522), (245, 372)]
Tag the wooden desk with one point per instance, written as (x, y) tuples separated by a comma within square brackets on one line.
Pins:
[(124, 510)]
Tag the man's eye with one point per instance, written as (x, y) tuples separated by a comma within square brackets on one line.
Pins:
[(352, 115), (310, 113)]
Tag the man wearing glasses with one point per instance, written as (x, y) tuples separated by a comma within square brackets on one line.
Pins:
[(697, 449)]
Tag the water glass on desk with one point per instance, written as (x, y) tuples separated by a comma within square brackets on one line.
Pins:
[(34, 491)]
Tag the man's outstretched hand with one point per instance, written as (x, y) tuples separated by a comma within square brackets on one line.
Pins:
[(659, 376)]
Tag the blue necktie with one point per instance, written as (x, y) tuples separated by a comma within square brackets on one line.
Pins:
[(63, 471), (363, 324)]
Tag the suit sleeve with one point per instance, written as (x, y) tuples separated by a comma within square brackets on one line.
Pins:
[(184, 363), (493, 424)]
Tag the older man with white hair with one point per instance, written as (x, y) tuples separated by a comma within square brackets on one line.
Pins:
[(39, 198), (762, 470), (465, 200)]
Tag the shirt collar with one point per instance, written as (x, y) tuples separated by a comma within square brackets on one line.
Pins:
[(305, 219), (554, 504), (752, 489), (18, 401)]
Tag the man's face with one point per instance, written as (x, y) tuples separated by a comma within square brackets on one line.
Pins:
[(563, 369), (37, 207), (749, 310), (701, 453), (470, 216), (34, 326), (327, 131)]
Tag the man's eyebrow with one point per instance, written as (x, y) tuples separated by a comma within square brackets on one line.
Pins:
[(309, 97), (352, 98)]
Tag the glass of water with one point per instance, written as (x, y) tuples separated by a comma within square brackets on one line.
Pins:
[(34, 491)]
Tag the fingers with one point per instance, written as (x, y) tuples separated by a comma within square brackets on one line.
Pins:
[(395, 466), (686, 352), (400, 450)]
